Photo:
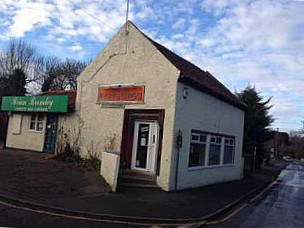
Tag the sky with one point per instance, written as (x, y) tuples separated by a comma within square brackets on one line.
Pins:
[(241, 42)]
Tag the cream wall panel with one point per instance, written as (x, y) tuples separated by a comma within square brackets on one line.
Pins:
[(127, 59), (16, 124), (26, 139)]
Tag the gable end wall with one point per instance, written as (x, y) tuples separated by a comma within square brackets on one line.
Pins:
[(138, 63)]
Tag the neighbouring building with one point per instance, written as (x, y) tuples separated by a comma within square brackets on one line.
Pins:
[(277, 141), (35, 121), (169, 121)]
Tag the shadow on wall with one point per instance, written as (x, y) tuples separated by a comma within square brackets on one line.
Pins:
[(3, 128)]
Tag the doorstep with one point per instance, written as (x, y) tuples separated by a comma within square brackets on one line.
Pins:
[(134, 178)]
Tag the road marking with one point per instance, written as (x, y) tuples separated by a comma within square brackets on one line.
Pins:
[(242, 206), (292, 185), (263, 192), (90, 219), (227, 217), (72, 216)]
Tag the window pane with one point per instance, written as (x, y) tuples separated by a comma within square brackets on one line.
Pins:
[(197, 155), (40, 117), (214, 154), (194, 137), (39, 126), (232, 142), (32, 125), (218, 140), (142, 146), (33, 117), (228, 154), (203, 138)]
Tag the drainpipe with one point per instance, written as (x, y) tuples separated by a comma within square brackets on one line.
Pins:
[(176, 169), (179, 143)]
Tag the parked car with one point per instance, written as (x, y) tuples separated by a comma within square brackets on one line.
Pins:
[(287, 158)]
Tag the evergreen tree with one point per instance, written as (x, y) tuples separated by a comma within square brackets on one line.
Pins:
[(257, 121), (17, 82)]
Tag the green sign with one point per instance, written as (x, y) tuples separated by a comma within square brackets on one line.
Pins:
[(54, 103)]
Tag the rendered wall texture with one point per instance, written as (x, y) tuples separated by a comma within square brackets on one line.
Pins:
[(127, 59), (203, 112), (110, 169), (26, 139)]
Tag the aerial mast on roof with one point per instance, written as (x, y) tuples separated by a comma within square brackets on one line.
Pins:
[(127, 17)]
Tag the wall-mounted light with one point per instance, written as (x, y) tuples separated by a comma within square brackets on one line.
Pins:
[(185, 93)]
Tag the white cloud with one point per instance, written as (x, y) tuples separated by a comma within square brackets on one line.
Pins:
[(76, 47), (179, 24), (29, 15), (240, 41), (257, 42), (65, 19)]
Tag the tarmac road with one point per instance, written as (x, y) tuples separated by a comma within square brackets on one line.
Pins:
[(282, 207), (11, 217)]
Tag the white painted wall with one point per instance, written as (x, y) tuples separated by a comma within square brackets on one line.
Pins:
[(127, 59), (110, 169), (203, 112)]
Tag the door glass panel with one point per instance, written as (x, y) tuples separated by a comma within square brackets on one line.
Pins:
[(142, 146), (50, 134)]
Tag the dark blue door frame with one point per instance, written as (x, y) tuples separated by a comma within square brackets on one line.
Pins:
[(50, 133)]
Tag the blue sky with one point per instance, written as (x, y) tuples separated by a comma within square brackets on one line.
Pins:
[(241, 42)]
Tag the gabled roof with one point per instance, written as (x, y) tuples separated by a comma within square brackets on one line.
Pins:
[(195, 77)]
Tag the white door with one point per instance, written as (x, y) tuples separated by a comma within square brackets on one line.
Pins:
[(145, 144)]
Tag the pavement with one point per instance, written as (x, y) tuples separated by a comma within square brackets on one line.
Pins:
[(12, 217), (35, 176), (156, 204), (281, 207), (28, 176)]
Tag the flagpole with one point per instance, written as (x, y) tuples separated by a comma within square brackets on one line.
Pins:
[(127, 16)]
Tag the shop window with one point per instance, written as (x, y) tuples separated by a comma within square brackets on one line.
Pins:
[(197, 150), (211, 150), (229, 151), (215, 150), (36, 123)]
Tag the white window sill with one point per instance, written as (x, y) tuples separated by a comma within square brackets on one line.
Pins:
[(209, 167), (37, 132)]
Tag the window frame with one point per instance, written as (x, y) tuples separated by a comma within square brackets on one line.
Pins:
[(36, 122), (198, 142), (208, 142), (215, 143), (230, 145)]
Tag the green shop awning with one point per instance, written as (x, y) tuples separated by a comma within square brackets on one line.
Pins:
[(54, 103)]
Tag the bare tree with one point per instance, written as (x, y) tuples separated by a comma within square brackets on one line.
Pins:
[(22, 68), (295, 147), (61, 75), (20, 59)]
